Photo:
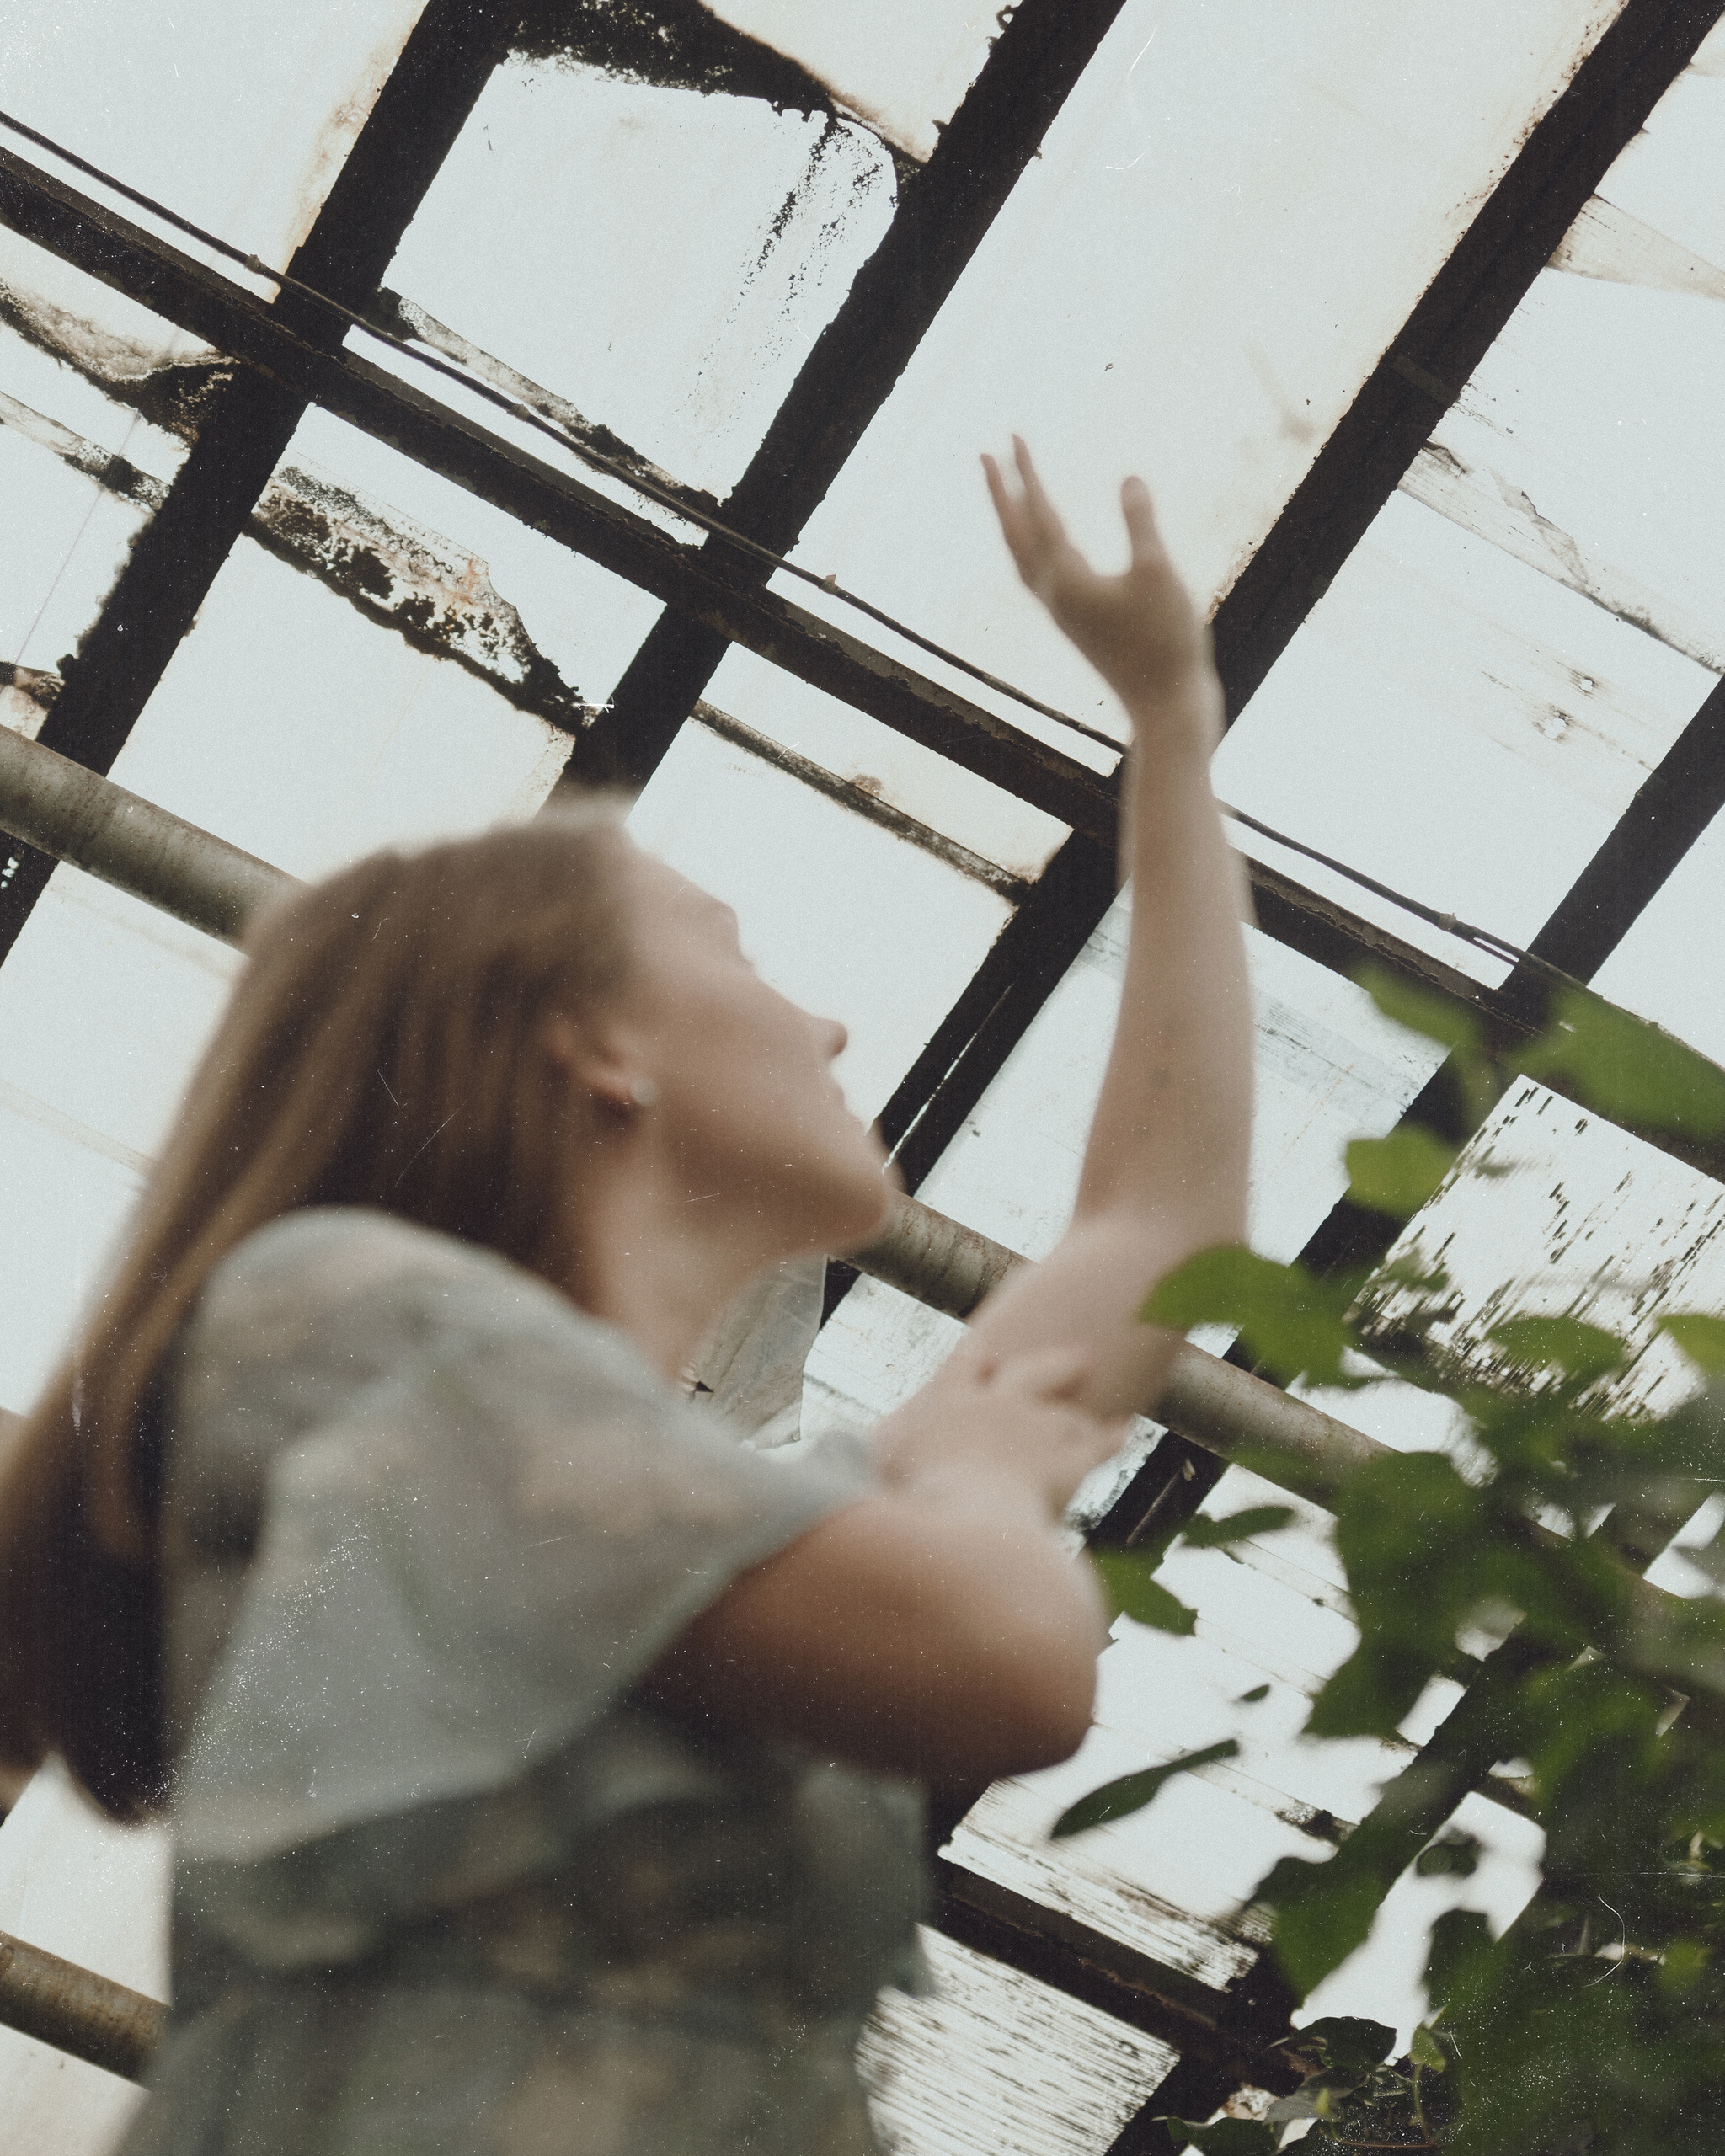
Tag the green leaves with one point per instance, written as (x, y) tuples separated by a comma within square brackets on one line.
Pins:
[(1412, 1534), (1347, 2041), (1702, 1339), (1205, 1534), (1398, 1174), (1323, 1912), (1441, 1019), (1131, 1591), (1130, 1793), (1291, 1321), (1627, 1069), (1225, 2136), (1453, 1855), (1424, 2050), (1582, 1352)]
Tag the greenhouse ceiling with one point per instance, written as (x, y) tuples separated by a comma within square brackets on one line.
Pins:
[(404, 409)]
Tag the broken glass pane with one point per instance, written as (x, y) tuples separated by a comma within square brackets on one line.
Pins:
[(1600, 473), (1556, 1213)]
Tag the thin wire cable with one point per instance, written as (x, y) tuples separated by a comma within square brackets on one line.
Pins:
[(1481, 939)]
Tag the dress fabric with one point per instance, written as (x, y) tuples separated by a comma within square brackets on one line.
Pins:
[(443, 1883)]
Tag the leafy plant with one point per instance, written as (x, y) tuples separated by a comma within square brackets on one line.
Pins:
[(1598, 2023)]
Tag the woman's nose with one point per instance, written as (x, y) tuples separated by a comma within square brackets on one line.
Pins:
[(835, 1036)]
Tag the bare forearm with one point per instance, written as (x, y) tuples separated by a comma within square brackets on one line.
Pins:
[(1173, 1126)]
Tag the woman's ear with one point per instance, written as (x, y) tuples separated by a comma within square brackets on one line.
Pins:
[(597, 1065)]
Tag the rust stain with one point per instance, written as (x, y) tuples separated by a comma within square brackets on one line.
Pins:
[(173, 395), (26, 698), (339, 131), (437, 595), (669, 44)]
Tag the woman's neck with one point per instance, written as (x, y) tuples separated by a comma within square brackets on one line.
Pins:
[(660, 1264)]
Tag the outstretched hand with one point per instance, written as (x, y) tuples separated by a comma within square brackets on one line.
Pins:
[(1139, 630)]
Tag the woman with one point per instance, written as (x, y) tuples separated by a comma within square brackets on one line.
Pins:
[(542, 1759)]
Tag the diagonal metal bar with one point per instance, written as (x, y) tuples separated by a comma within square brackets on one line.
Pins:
[(448, 57), (943, 214)]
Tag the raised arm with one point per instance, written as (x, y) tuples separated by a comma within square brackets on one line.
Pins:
[(939, 1627), (1164, 1173)]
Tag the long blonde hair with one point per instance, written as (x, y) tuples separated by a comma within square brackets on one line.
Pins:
[(379, 1049)]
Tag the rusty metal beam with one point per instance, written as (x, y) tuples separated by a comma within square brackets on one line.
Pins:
[(441, 599), (92, 2017)]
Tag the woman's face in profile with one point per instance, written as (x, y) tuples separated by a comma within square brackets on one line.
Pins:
[(746, 1096)]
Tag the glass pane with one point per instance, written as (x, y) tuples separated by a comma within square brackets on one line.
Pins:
[(1233, 214), (235, 116), (991, 822), (844, 919), (104, 1004), (1658, 177), (290, 725), (1457, 725), (663, 259), (1329, 1069), (1607, 460), (1384, 1981), (996, 2064), (81, 466), (65, 1202), (903, 65), (96, 1895)]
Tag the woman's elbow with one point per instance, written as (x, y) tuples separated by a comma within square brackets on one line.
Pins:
[(1033, 1709)]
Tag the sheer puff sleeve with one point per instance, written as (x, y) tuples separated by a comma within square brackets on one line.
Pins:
[(460, 1519)]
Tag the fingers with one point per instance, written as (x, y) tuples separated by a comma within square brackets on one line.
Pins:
[(1135, 506), (1014, 525), (1045, 524)]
